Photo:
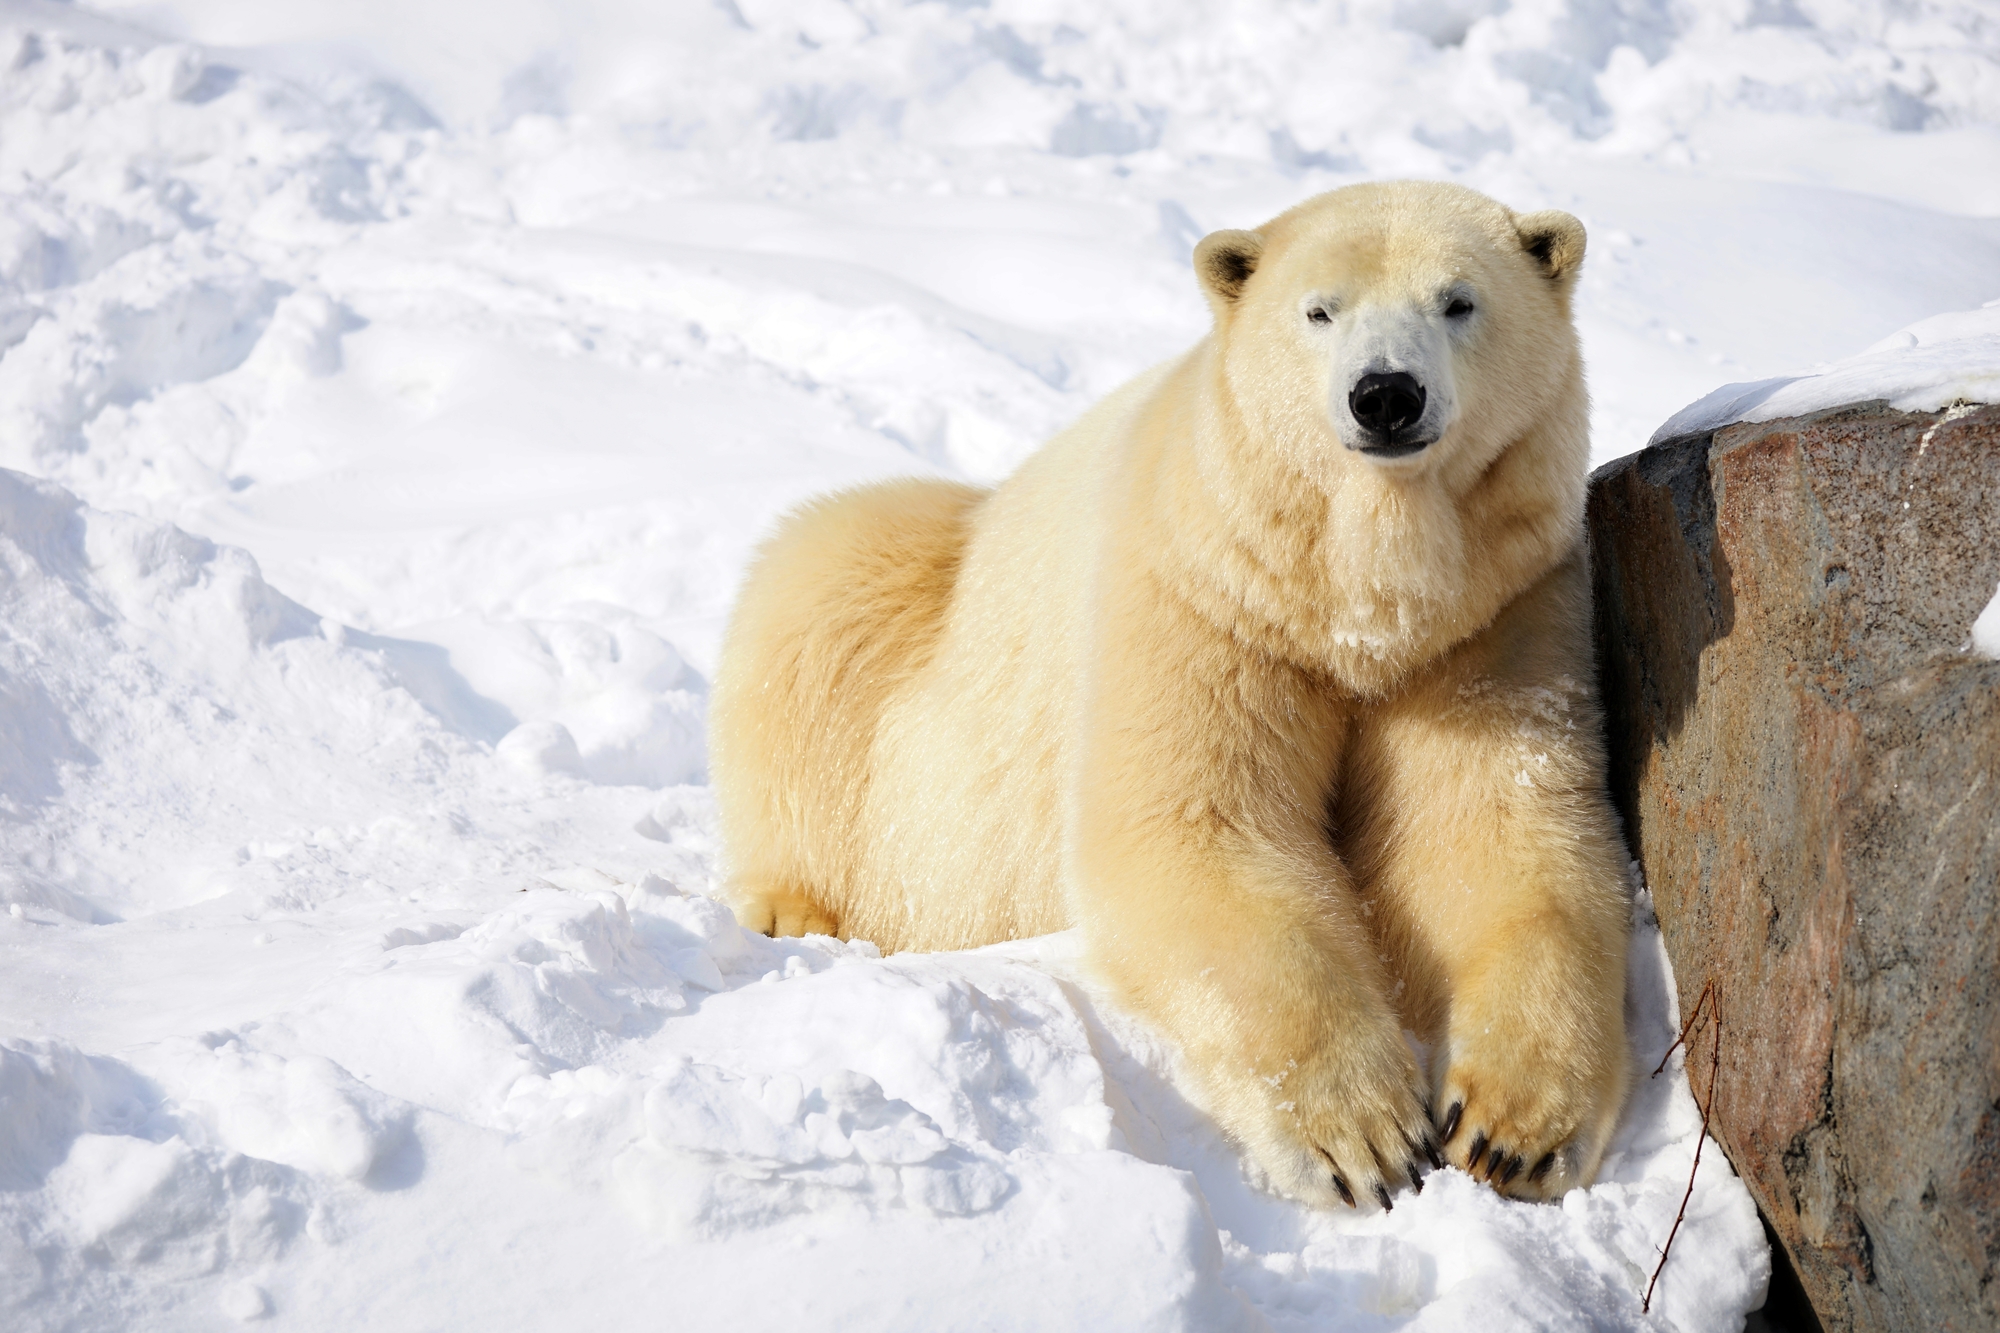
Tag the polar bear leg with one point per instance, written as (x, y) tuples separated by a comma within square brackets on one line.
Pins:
[(1210, 897), (1492, 848), (1275, 1000), (841, 605)]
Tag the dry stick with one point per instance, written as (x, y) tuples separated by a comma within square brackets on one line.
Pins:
[(1694, 1016), (1714, 1074)]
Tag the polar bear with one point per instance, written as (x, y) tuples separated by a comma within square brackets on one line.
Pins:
[(1273, 675)]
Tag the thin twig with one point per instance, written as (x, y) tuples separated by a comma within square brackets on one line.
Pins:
[(1709, 992), (1694, 1016)]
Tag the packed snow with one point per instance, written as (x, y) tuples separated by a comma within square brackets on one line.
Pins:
[(1948, 361), (1984, 636), (390, 395)]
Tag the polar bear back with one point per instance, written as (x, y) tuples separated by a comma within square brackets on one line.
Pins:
[(892, 723)]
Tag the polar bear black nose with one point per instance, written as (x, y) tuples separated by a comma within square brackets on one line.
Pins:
[(1384, 404)]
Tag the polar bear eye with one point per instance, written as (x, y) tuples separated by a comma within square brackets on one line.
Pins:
[(1318, 315), (1459, 308)]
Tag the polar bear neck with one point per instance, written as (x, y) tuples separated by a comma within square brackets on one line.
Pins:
[(1360, 575)]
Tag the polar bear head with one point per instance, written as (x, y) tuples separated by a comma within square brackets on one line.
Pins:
[(1413, 328)]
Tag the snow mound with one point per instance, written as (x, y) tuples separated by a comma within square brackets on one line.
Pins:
[(1128, 76), (1935, 363), (654, 1084), (145, 669), (99, 1175)]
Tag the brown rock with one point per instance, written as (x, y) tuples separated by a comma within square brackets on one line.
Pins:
[(1808, 763)]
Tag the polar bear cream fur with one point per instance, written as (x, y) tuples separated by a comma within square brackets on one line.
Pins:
[(1273, 675)]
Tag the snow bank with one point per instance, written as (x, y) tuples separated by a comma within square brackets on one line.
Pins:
[(173, 730), (1457, 77), (1933, 364)]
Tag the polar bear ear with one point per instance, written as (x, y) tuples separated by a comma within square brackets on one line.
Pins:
[(1224, 261), (1554, 240)]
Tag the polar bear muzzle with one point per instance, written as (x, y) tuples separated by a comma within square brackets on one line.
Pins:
[(1388, 408)]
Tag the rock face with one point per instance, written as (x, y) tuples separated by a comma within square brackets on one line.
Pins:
[(1808, 762)]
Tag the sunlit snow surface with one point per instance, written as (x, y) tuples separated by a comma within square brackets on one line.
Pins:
[(393, 393), (1949, 362)]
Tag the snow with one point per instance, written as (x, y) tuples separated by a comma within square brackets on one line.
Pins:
[(1946, 361), (1984, 635), (390, 397)]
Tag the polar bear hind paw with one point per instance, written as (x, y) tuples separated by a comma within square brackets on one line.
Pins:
[(781, 911)]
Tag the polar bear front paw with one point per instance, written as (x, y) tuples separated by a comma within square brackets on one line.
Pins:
[(1347, 1125), (1530, 1117)]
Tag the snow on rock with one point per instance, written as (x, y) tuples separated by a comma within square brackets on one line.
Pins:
[(1944, 361), (1984, 636)]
